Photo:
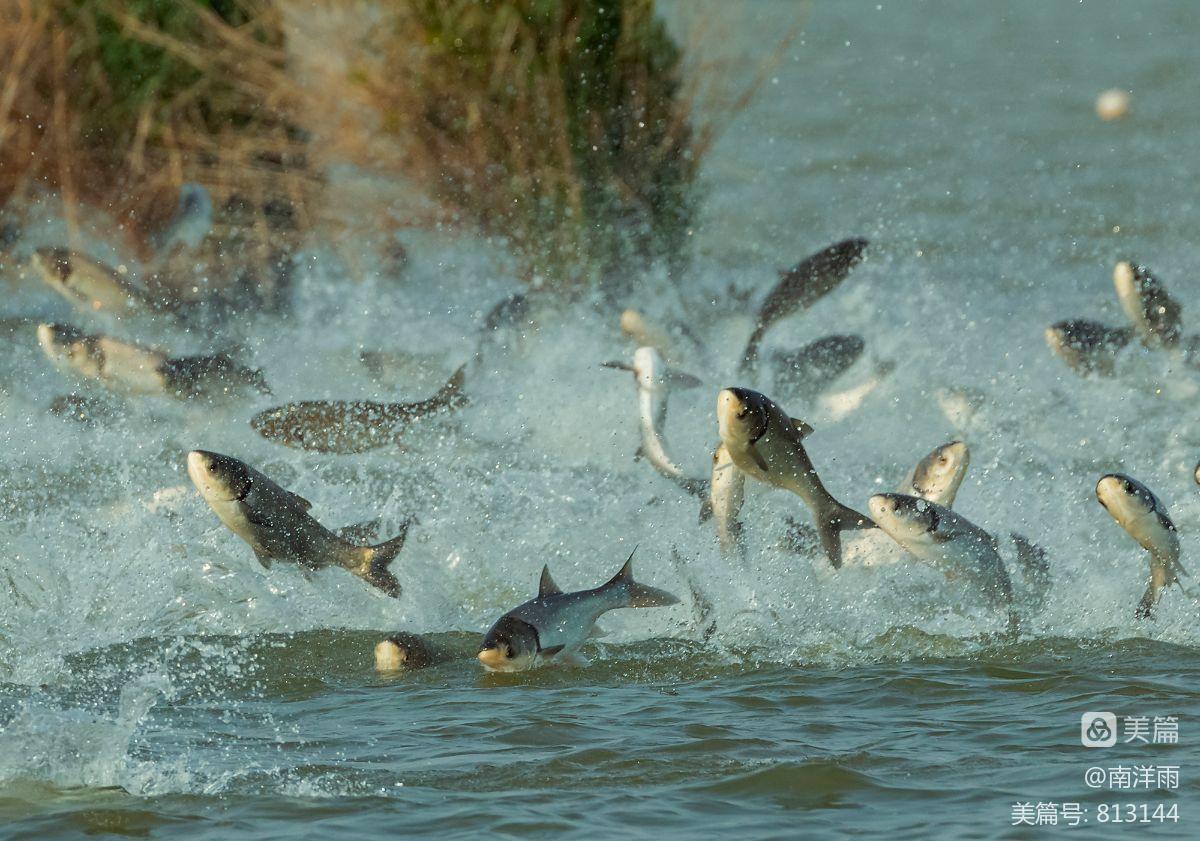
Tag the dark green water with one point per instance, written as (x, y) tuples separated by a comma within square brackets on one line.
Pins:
[(284, 733), (155, 681)]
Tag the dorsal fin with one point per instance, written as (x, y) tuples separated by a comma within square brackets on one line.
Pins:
[(301, 501), (625, 576), (803, 428), (547, 587)]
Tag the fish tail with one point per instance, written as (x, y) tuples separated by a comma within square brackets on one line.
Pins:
[(451, 394), (830, 525), (375, 571), (632, 594)]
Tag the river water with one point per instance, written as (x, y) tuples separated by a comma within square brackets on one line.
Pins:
[(156, 681)]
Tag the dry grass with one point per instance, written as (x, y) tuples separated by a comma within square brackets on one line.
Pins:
[(559, 128), (113, 104)]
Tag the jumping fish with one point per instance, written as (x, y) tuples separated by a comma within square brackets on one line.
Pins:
[(552, 627), (89, 284), (1088, 347), (352, 426), (1157, 317), (768, 445), (277, 525), (812, 279), (653, 380), (947, 541), (134, 369), (1137, 510)]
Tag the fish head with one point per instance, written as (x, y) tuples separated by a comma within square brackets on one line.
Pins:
[(938, 475), (649, 369), (68, 347), (1125, 498), (390, 656), (1196, 474), (742, 416), (906, 519), (218, 478), (510, 646)]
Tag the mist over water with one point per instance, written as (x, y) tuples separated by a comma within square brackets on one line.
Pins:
[(152, 672)]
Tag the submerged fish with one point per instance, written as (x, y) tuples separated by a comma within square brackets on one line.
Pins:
[(277, 525), (1157, 317), (1137, 510), (133, 369), (812, 279), (938, 476), (1088, 347), (654, 380), (768, 445), (405, 652), (811, 369), (352, 426), (726, 495), (89, 284), (947, 541), (552, 627)]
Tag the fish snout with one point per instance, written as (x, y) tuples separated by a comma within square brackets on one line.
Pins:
[(881, 506)]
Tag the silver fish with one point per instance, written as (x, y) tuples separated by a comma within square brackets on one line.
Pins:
[(767, 445), (1137, 510), (552, 627), (947, 541), (811, 369), (1157, 317), (654, 381), (352, 426), (89, 284), (937, 477), (812, 279), (1088, 347), (277, 525), (134, 369)]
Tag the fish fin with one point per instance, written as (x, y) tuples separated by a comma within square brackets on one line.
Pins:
[(758, 459), (360, 534), (1031, 557), (304, 504), (682, 380), (830, 526), (451, 396), (696, 487), (381, 556), (639, 453), (551, 651), (547, 587), (1145, 608), (263, 558), (706, 510), (638, 595), (803, 428), (617, 365)]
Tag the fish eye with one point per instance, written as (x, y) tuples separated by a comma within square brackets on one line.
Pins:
[(743, 412), (933, 519)]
